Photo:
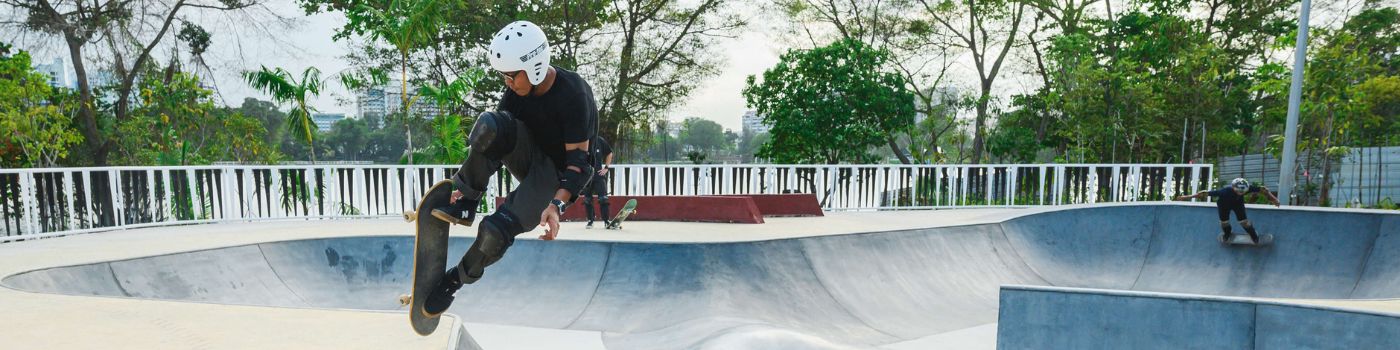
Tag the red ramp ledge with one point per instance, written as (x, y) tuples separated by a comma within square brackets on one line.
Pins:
[(779, 205), (725, 209)]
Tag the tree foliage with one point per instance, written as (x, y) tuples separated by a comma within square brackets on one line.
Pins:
[(830, 104), (36, 119), (175, 122), (131, 32), (287, 89), (703, 135)]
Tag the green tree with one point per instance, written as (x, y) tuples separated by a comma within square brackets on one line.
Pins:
[(37, 118), (1381, 96), (662, 146), (702, 134), (749, 143), (348, 139), (931, 139), (696, 157), (830, 104), (571, 25), (386, 144), (132, 31), (267, 114), (656, 53), (175, 122), (1337, 109), (988, 30), (285, 88), (448, 144), (912, 41), (408, 26), (1012, 142)]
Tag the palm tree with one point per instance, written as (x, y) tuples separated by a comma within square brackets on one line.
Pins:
[(286, 89), (449, 141), (408, 25)]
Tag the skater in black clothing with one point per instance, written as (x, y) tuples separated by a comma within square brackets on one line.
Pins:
[(1231, 199), (541, 133), (602, 160)]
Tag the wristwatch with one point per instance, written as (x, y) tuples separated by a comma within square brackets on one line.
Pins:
[(559, 204)]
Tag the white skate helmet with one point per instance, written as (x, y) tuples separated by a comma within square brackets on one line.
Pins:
[(1240, 184), (520, 46)]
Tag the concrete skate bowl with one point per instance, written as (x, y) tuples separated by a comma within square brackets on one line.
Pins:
[(900, 289)]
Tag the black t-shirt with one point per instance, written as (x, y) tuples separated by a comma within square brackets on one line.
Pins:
[(601, 150), (566, 114), (1228, 196)]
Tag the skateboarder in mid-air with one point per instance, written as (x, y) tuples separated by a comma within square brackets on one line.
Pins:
[(540, 132), (602, 160), (1231, 199)]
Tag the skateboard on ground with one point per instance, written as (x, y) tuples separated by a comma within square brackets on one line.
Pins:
[(429, 255), (1243, 239), (627, 209)]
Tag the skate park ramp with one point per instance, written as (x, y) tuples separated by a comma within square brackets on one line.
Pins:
[(896, 290)]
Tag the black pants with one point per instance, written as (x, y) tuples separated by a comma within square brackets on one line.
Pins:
[(598, 188), (1224, 209), (529, 165)]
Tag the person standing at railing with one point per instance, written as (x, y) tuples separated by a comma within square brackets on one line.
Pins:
[(541, 133), (1231, 199), (602, 160)]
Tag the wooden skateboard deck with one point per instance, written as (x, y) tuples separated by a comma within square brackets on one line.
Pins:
[(429, 255), (627, 209), (1243, 239)]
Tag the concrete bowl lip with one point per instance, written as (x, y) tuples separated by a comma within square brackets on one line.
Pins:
[(1070, 207), (1020, 212)]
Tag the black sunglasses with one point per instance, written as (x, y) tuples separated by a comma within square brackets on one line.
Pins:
[(510, 77)]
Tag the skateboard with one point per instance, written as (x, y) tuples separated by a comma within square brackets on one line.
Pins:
[(429, 255), (1243, 239), (627, 209)]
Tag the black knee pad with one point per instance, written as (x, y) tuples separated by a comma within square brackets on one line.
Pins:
[(587, 199), (603, 200), (497, 233), (493, 134)]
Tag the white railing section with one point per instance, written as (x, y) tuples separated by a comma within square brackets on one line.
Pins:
[(46, 202)]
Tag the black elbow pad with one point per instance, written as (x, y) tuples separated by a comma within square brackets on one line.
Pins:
[(575, 181)]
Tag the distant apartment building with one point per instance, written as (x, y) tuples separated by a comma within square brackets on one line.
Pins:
[(324, 121), (58, 74), (373, 104), (754, 123)]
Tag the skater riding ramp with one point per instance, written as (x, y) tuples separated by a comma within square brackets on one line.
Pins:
[(862, 290), (1316, 254)]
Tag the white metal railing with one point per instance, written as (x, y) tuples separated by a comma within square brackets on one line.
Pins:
[(46, 202)]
